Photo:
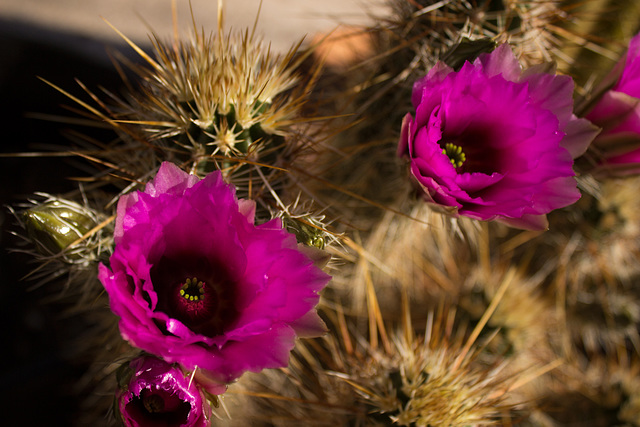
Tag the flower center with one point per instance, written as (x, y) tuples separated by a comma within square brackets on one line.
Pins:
[(153, 403), (157, 408), (194, 301), (455, 154), (196, 291), (193, 290)]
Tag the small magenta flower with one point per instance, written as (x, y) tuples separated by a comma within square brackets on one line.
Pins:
[(492, 142), (195, 282), (153, 392), (618, 113)]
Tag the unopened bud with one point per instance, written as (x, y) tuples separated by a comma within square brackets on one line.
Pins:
[(305, 231), (56, 224)]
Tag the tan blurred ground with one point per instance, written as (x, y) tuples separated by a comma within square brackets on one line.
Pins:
[(282, 22)]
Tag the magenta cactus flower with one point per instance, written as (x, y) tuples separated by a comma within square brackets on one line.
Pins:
[(195, 282), (618, 113), (153, 392), (493, 142)]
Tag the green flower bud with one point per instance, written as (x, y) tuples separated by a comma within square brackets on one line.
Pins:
[(304, 232), (56, 224)]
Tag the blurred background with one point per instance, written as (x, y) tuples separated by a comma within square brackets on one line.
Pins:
[(281, 21), (60, 41)]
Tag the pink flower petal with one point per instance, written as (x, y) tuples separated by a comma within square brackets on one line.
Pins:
[(580, 133), (310, 325), (629, 82), (435, 76), (501, 61), (151, 379), (553, 93), (195, 282), (170, 179), (511, 136), (617, 112)]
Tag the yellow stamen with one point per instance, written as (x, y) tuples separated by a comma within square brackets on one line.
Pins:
[(192, 289), (455, 154)]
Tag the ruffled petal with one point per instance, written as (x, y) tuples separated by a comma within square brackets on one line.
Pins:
[(501, 61), (511, 135), (238, 357), (183, 235), (170, 179), (613, 109), (474, 182), (617, 112), (309, 326), (436, 75), (553, 93), (629, 82), (580, 133)]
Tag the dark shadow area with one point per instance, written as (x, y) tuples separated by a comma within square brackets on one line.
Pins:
[(36, 375)]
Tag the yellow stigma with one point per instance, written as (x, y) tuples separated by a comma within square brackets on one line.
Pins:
[(192, 290), (455, 154)]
